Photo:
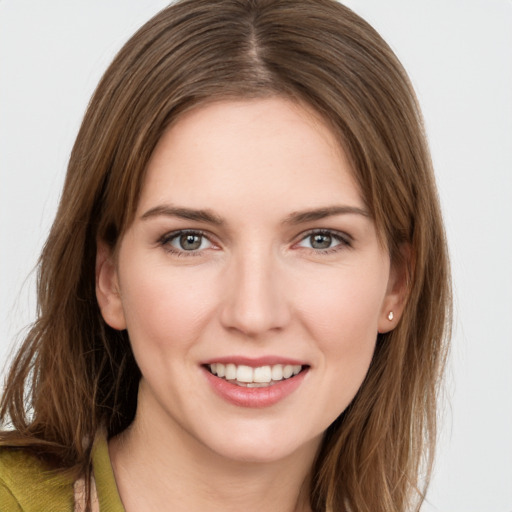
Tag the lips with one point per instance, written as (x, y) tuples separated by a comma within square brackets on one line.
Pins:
[(251, 383)]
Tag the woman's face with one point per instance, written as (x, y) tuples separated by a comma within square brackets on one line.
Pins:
[(251, 257)]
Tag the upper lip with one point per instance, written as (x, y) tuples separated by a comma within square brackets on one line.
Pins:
[(255, 362)]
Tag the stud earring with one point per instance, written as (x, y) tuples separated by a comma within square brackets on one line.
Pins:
[(391, 316)]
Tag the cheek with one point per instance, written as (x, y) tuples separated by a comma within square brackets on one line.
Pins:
[(346, 303), (343, 321), (165, 307)]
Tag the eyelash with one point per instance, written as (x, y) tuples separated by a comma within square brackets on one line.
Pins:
[(345, 241), (165, 242)]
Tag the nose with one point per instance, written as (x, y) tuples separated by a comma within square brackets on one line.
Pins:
[(255, 300)]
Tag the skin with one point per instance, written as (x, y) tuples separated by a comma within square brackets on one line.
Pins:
[(258, 285)]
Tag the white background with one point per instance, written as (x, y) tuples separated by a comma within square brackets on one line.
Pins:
[(459, 56)]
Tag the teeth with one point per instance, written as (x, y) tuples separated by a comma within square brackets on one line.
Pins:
[(262, 374), (254, 377), (287, 371), (230, 372), (277, 372), (220, 369), (244, 374)]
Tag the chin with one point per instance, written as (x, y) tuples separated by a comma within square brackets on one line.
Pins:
[(251, 448)]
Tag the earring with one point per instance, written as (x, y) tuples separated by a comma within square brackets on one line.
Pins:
[(391, 316)]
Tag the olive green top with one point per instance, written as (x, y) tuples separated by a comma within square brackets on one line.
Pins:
[(26, 485)]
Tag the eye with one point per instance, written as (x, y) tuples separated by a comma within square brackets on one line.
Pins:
[(186, 241), (324, 240)]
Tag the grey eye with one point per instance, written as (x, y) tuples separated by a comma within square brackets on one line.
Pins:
[(186, 242), (320, 240), (190, 241)]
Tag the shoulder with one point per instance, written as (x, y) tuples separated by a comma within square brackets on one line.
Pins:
[(27, 485)]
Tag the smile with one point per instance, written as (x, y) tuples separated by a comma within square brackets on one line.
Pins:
[(260, 376)]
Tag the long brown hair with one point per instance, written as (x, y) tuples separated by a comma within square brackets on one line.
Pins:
[(74, 374)]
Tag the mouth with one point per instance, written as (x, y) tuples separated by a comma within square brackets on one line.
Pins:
[(254, 377)]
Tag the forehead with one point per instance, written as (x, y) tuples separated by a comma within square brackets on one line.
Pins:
[(269, 148)]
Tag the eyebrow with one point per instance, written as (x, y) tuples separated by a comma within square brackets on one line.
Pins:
[(209, 217), (322, 213), (184, 213)]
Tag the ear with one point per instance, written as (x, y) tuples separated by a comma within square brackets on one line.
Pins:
[(397, 291), (107, 288)]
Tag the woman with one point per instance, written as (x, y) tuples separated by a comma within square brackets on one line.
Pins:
[(244, 296)]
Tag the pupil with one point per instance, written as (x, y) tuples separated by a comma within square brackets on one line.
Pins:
[(190, 242), (320, 241)]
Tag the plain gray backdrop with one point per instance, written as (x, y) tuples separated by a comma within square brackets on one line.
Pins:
[(459, 56)]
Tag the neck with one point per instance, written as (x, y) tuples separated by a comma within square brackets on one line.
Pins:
[(166, 469)]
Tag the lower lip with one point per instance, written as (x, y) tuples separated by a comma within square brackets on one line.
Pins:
[(242, 396)]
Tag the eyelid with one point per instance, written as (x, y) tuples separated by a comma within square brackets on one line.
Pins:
[(344, 238), (166, 238)]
